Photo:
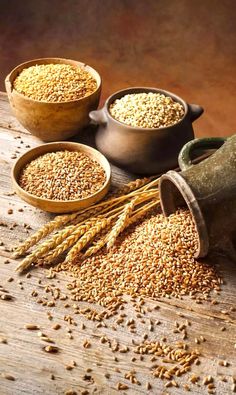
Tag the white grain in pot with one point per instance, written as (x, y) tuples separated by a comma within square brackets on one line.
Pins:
[(147, 110)]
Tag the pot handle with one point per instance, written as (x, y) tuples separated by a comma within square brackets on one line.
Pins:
[(98, 117), (184, 158), (195, 111)]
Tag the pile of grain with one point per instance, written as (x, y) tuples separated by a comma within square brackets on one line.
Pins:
[(154, 258), (147, 110), (62, 175), (55, 82)]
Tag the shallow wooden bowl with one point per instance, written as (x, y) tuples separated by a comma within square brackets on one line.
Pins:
[(52, 121), (60, 206)]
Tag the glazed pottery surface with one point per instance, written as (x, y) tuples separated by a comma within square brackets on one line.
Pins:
[(209, 190), (139, 150), (52, 121)]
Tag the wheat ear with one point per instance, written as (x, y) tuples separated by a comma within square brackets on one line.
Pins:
[(60, 248), (120, 223), (48, 245), (87, 237), (44, 248), (133, 185), (43, 232), (58, 222)]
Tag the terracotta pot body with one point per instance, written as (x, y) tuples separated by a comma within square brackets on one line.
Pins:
[(52, 121), (139, 150), (209, 190)]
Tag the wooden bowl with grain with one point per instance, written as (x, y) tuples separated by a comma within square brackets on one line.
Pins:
[(52, 121), (60, 206)]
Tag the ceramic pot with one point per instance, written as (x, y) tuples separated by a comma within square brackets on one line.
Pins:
[(52, 121), (209, 190), (143, 150)]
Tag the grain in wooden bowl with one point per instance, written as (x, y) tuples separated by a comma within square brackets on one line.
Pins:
[(61, 177), (52, 97), (55, 82)]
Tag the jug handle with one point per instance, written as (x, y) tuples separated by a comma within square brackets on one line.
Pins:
[(184, 158), (98, 117), (195, 111)]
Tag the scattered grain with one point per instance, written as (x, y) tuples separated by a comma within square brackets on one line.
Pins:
[(8, 376), (51, 349), (31, 327)]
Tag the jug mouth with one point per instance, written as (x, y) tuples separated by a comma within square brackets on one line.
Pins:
[(175, 193)]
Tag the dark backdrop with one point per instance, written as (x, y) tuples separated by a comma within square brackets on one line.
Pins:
[(185, 46)]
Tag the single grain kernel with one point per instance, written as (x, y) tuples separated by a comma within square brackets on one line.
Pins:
[(51, 349), (31, 327)]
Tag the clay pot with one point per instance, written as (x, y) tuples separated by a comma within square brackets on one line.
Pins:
[(52, 121), (209, 191), (143, 150)]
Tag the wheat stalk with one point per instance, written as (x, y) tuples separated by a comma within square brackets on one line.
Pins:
[(55, 224), (62, 220), (142, 211), (55, 241)]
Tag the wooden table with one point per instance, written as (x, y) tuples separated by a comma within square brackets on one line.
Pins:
[(22, 355)]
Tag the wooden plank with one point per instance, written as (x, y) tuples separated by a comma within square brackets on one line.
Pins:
[(23, 356)]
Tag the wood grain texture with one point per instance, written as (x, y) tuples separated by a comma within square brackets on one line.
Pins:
[(23, 356)]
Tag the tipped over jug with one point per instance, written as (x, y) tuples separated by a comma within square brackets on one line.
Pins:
[(209, 190)]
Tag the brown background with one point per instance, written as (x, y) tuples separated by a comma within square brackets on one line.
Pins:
[(185, 46)]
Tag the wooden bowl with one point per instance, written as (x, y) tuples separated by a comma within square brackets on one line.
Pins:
[(52, 121), (60, 206)]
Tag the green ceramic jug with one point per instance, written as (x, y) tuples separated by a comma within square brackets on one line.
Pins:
[(208, 189)]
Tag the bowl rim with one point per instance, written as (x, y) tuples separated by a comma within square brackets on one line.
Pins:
[(106, 167), (144, 89), (54, 60)]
